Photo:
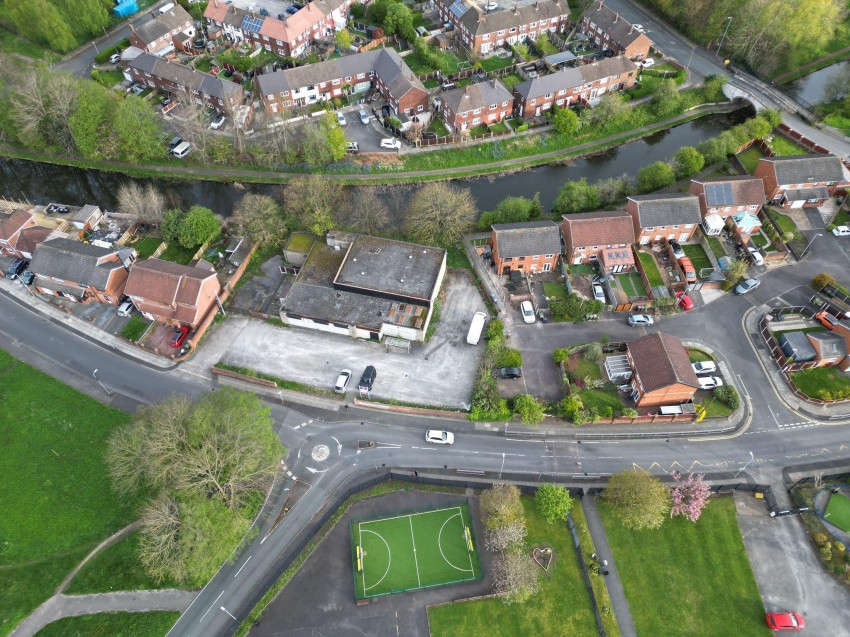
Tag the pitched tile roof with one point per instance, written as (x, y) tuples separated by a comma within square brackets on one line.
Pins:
[(671, 209), (167, 283), (660, 360), (571, 77), (799, 169), (616, 26), (741, 191), (527, 239), (12, 222), (31, 237), (75, 261), (610, 227), (830, 345), (478, 23), (478, 95), (182, 75), (162, 25)]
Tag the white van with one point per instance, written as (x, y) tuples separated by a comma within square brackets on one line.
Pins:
[(476, 327), (165, 8), (182, 149)]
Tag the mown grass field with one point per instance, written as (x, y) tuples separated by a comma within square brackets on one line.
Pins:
[(112, 625)]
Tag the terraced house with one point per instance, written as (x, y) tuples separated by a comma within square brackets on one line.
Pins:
[(603, 237), (481, 103), (531, 246), (727, 196), (571, 85), (801, 181), (20, 234), (381, 68), (608, 29), (165, 34), (482, 32), (664, 216)]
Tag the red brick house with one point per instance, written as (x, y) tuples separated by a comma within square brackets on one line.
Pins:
[(801, 181), (78, 271), (530, 246), (572, 85), (172, 293), (830, 347), (605, 237), (843, 330), (661, 371), (19, 234), (727, 196), (483, 32), (608, 29), (664, 216), (480, 103), (165, 34)]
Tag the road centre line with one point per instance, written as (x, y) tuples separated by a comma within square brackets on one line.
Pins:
[(211, 607)]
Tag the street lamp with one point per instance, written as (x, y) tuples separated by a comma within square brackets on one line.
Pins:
[(810, 244), (94, 44), (729, 18), (746, 465)]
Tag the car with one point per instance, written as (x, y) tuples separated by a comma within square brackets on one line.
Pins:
[(685, 302), (688, 269), (438, 101), (181, 333), (448, 86), (17, 267), (137, 90), (648, 63), (787, 620), (598, 293), (527, 310), (755, 255), (218, 122), (174, 143), (291, 10), (165, 101), (748, 285), (115, 58), (352, 147), (27, 277), (599, 278), (491, 6), (638, 27), (709, 382), (340, 118), (126, 308), (367, 379), (677, 249), (704, 367), (439, 437), (429, 135), (826, 319), (507, 372), (342, 381), (364, 116), (841, 231), (392, 144), (640, 319)]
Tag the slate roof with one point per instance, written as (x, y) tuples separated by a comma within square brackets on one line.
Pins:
[(169, 284), (527, 239), (479, 95), (831, 345), (74, 261), (797, 345), (800, 169), (478, 23), (12, 222), (571, 77), (669, 209), (616, 26), (288, 29), (162, 25), (182, 75), (746, 191), (660, 360), (610, 227), (798, 194)]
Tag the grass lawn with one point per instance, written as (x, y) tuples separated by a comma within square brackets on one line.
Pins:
[(760, 240), (650, 269), (135, 327), (494, 63), (703, 569), (554, 290), (716, 247), (500, 127), (631, 284), (56, 502), (697, 255), (784, 147), (178, 254), (716, 409), (478, 130), (600, 399), (812, 381), (151, 624), (147, 246), (786, 224), (560, 607), (511, 79), (456, 258), (750, 158), (838, 121), (582, 269), (842, 218), (583, 368), (698, 356), (838, 511), (439, 127), (110, 78), (204, 64)]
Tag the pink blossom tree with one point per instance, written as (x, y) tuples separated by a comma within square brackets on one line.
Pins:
[(689, 495)]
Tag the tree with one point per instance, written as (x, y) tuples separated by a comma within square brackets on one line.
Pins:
[(639, 499), (170, 226), (138, 129), (657, 175), (367, 212), (198, 226), (323, 141), (528, 408), (714, 88), (689, 496), (515, 576), (611, 110), (41, 109), (687, 162), (40, 21), (738, 269), (91, 123), (358, 11), (504, 538), (666, 98), (344, 39), (86, 17), (145, 203), (501, 506), (565, 121), (441, 213), (261, 218), (821, 281), (553, 502), (399, 19), (758, 127), (576, 196), (313, 201), (773, 117), (511, 210), (593, 352)]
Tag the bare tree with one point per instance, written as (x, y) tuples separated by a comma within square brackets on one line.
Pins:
[(515, 576), (314, 200), (29, 108), (501, 506), (159, 543), (261, 218), (505, 537), (145, 203), (367, 213), (441, 213)]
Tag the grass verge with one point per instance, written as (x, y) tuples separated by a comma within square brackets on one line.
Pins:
[(135, 327), (151, 624), (814, 382), (281, 382), (838, 511)]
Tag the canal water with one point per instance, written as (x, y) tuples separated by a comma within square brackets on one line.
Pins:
[(43, 183), (811, 87)]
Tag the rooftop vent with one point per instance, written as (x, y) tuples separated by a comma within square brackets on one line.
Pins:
[(409, 256), (362, 274)]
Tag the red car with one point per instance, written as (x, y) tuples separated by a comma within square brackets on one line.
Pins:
[(785, 621), (179, 336), (685, 301)]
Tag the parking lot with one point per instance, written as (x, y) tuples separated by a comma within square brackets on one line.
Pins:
[(439, 372)]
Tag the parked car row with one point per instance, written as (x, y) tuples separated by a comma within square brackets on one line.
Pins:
[(367, 379)]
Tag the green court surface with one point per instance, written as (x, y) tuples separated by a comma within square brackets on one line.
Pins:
[(838, 511), (412, 551)]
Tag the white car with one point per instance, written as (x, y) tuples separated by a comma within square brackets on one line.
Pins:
[(599, 293), (115, 58), (125, 309), (351, 147), (392, 144), (755, 255), (439, 437), (709, 382), (704, 367), (364, 116), (491, 6), (638, 27), (218, 122), (341, 119), (841, 231), (636, 320), (527, 310), (648, 63), (342, 381)]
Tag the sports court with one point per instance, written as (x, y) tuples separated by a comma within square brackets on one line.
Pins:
[(411, 551), (838, 511)]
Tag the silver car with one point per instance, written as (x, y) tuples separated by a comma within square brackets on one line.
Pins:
[(746, 286), (342, 381), (640, 319)]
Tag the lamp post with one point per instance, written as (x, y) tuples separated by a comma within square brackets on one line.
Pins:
[(742, 469), (102, 386), (810, 244), (94, 44), (729, 22)]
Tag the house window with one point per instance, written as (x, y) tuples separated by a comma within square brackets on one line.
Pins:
[(550, 256), (547, 267), (477, 120), (535, 257), (502, 32), (347, 78), (548, 96), (476, 111), (512, 30), (486, 36), (508, 259)]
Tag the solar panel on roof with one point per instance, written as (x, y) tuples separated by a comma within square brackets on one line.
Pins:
[(250, 23), (719, 194), (458, 8)]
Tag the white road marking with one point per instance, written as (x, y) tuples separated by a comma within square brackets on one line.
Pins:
[(746, 391), (312, 470), (338, 446), (211, 607), (243, 566), (774, 416)]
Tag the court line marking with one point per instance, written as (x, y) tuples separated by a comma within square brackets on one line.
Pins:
[(409, 515), (415, 559), (440, 541), (389, 561), (362, 557)]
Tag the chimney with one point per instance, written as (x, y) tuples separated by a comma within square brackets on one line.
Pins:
[(516, 9), (132, 28), (537, 5), (616, 17), (600, 6), (631, 28)]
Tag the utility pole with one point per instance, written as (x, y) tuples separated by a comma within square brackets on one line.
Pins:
[(729, 18)]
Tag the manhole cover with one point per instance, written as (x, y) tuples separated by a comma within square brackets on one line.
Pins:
[(320, 452)]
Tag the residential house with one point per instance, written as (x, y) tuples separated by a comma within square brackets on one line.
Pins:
[(830, 348), (531, 246), (661, 371), (572, 85), (605, 237), (78, 271), (609, 30), (664, 216), (366, 287), (480, 103), (19, 234), (800, 181), (745, 222), (843, 330), (87, 217), (726, 196), (218, 93), (165, 34), (482, 32), (173, 293), (352, 74)]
